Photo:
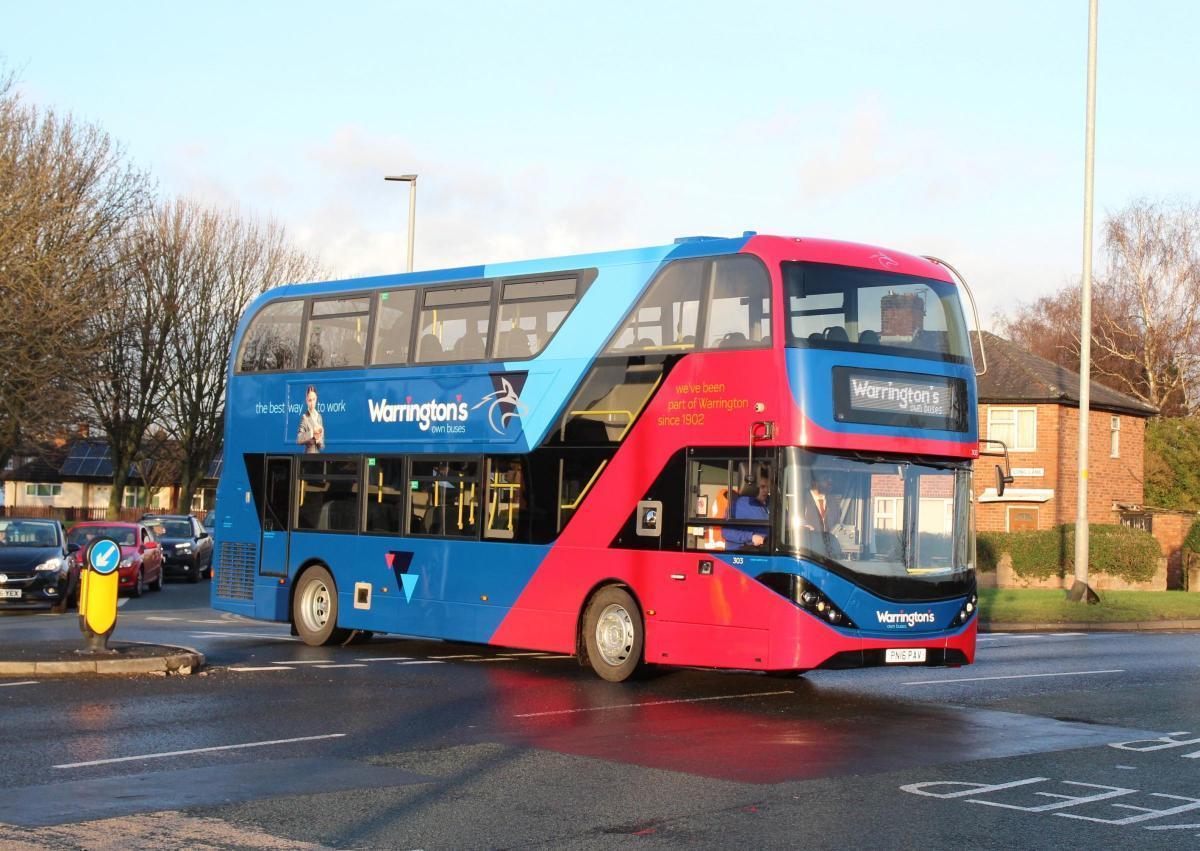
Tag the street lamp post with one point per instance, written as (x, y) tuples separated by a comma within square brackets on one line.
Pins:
[(411, 180), (1080, 591)]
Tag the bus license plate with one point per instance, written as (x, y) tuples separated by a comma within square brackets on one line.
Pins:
[(11, 593), (904, 655)]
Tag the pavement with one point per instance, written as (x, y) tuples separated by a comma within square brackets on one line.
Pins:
[(61, 657)]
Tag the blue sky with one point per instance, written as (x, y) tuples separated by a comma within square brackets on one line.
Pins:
[(951, 128)]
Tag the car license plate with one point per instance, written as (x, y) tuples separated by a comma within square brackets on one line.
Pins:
[(10, 593), (904, 655)]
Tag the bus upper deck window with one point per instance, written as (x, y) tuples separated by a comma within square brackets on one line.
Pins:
[(454, 324), (666, 317), (739, 306), (273, 339), (337, 333), (530, 313), (393, 326)]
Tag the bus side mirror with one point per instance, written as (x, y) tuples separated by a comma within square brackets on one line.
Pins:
[(1001, 480)]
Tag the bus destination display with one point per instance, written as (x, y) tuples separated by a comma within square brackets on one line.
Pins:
[(899, 399)]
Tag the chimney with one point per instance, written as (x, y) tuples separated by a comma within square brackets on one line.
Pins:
[(902, 315)]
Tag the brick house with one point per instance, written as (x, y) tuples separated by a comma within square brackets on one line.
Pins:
[(74, 481), (1032, 405)]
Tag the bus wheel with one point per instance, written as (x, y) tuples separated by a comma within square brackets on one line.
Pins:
[(613, 634), (315, 609)]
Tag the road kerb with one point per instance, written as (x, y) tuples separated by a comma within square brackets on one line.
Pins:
[(1089, 626), (174, 660)]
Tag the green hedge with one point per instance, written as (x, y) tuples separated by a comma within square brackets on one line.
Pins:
[(1192, 541), (1120, 551)]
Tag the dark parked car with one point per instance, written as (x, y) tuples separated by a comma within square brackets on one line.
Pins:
[(35, 564), (141, 564), (187, 546)]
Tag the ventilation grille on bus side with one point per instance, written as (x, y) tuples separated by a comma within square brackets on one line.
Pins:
[(235, 570)]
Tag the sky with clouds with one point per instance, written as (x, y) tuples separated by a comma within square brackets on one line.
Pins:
[(546, 128)]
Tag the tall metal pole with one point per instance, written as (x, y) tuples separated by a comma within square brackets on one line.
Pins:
[(1080, 590), (412, 218), (411, 180)]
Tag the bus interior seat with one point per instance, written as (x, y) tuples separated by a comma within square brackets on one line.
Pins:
[(383, 516), (836, 334), (733, 340), (470, 347), (513, 344), (816, 336), (869, 338), (429, 348), (337, 514)]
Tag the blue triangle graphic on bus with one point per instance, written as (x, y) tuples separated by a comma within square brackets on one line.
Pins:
[(409, 581)]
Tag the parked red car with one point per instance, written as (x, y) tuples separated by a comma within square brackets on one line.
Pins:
[(141, 555)]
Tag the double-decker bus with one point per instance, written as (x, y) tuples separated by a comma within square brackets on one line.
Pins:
[(749, 453)]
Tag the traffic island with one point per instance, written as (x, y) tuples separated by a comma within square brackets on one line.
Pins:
[(59, 658)]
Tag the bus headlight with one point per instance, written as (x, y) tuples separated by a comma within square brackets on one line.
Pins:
[(809, 598), (967, 610)]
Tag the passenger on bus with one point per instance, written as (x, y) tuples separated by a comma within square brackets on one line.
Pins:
[(754, 506)]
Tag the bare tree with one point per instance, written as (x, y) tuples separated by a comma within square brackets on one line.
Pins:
[(225, 260), (1145, 311), (126, 381), (66, 193)]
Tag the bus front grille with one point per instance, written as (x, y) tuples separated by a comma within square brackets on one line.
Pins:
[(236, 564)]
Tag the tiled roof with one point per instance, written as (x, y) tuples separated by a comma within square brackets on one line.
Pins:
[(1015, 375)]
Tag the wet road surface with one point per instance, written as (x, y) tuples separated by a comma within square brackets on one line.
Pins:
[(415, 743)]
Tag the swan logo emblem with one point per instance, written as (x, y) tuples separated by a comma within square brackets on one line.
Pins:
[(503, 403)]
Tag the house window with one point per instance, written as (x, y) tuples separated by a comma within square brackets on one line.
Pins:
[(1114, 436), (1015, 427), (134, 497), (42, 489)]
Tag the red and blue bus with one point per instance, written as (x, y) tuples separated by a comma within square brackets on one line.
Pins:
[(750, 453)]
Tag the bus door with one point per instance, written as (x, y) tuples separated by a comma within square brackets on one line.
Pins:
[(276, 512)]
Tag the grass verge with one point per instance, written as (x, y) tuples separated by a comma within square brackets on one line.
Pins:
[(1040, 605)]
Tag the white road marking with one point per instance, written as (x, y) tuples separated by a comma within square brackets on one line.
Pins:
[(539, 653), (305, 662), (199, 750), (566, 656), (1068, 634), (211, 634), (121, 602), (493, 659), (156, 618), (423, 662), (1010, 677), (343, 665), (22, 683), (384, 659), (461, 656), (264, 668), (654, 703), (210, 620)]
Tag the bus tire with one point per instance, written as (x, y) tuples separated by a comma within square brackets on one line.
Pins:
[(614, 634), (315, 609)]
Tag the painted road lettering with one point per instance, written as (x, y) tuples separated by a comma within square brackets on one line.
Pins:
[(973, 794), (1162, 743)]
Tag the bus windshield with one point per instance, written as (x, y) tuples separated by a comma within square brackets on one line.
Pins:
[(844, 307), (899, 528)]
